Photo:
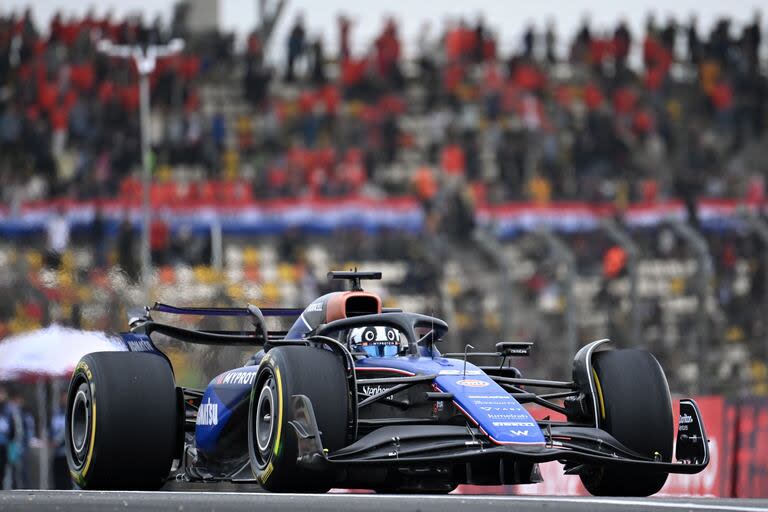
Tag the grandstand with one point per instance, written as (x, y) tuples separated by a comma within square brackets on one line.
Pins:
[(480, 183)]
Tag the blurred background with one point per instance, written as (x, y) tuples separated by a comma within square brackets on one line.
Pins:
[(553, 173)]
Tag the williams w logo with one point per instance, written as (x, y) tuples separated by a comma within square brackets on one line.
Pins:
[(518, 432)]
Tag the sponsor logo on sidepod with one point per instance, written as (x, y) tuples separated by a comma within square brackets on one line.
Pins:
[(139, 346), (374, 390), (238, 378), (208, 414), (472, 383)]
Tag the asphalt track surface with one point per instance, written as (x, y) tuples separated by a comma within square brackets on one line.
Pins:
[(193, 501)]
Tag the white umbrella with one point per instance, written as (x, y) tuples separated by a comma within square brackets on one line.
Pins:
[(49, 353)]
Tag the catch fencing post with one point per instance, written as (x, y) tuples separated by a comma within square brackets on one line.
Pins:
[(622, 239), (704, 274), (489, 244), (41, 397), (564, 256), (759, 225), (217, 245)]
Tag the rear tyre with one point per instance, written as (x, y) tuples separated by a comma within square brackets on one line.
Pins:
[(121, 423), (636, 409), (272, 442)]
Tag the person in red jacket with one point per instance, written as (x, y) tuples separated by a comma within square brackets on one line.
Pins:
[(159, 240)]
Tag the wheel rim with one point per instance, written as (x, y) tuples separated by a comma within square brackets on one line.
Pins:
[(265, 417), (80, 423)]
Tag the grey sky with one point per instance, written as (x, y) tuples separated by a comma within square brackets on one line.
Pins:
[(507, 17)]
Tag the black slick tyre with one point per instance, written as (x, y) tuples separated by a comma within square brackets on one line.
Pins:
[(635, 408), (121, 424), (272, 442)]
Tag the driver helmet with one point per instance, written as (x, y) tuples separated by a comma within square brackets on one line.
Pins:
[(377, 341)]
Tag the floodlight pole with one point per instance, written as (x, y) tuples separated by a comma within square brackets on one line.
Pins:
[(146, 256), (145, 59)]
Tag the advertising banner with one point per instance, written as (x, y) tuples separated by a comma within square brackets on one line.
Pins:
[(750, 463)]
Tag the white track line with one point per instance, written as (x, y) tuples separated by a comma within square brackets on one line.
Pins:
[(627, 502)]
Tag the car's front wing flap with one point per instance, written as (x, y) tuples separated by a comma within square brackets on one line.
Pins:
[(421, 444)]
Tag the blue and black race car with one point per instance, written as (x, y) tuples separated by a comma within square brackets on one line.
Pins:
[(356, 395)]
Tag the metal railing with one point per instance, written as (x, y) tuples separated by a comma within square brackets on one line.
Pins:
[(673, 303)]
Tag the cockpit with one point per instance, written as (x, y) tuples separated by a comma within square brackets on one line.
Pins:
[(389, 334)]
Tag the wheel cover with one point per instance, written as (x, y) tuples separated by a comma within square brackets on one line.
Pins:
[(265, 417), (263, 422), (80, 424)]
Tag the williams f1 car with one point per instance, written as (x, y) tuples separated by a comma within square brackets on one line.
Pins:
[(359, 396)]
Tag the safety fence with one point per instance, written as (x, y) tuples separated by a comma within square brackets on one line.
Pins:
[(564, 273)]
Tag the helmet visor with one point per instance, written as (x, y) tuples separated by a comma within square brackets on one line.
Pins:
[(381, 350)]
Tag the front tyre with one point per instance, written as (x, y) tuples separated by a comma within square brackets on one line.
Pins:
[(636, 409), (121, 421), (272, 442)]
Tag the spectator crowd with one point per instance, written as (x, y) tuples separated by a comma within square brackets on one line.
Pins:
[(17, 436), (538, 122)]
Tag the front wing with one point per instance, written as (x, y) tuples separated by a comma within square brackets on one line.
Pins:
[(425, 444)]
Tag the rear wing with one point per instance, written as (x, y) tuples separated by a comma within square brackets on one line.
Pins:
[(226, 311), (260, 336)]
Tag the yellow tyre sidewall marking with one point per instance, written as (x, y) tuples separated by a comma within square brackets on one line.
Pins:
[(264, 476), (79, 476), (267, 472), (280, 411), (89, 457), (599, 394), (82, 365)]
